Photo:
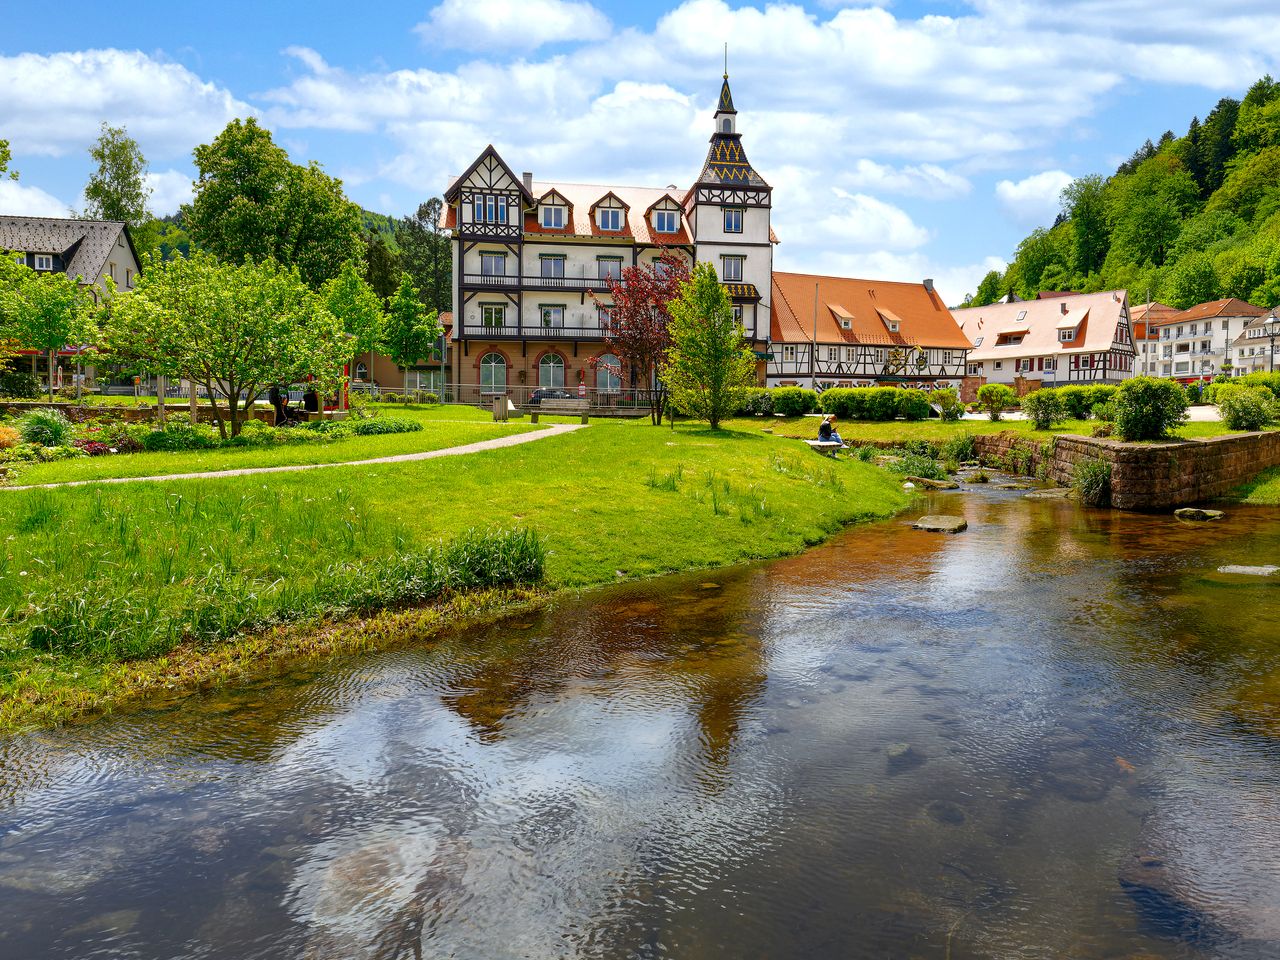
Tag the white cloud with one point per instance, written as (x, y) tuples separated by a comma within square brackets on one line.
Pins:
[(54, 104), (927, 180), (1035, 200), (21, 200), (953, 282), (862, 222), (169, 190), (526, 24)]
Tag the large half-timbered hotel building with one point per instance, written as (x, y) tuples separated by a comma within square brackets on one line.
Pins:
[(531, 259), (1053, 340), (840, 332)]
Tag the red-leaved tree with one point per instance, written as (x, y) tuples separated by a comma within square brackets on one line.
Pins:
[(637, 321)]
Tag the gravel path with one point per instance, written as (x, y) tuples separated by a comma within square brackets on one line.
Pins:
[(515, 439)]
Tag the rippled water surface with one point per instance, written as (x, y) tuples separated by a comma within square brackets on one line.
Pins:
[(1054, 735)]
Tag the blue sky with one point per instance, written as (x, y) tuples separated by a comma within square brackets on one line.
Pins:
[(903, 139)]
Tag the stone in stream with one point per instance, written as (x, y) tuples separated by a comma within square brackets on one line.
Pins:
[(946, 812), (941, 524), (1263, 571), (933, 484), (1054, 493), (902, 756), (1198, 513), (1012, 486), (1167, 906)]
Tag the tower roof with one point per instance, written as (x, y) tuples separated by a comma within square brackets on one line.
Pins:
[(727, 163), (726, 98)]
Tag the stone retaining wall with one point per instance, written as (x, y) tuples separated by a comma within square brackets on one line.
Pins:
[(1144, 476), (175, 411)]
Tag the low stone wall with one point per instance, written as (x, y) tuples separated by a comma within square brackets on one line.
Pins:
[(175, 411), (1144, 476)]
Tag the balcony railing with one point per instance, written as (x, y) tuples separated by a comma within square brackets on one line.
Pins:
[(534, 282), (533, 331)]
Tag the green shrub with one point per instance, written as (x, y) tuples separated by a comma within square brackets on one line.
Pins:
[(1147, 408), (1091, 480), (181, 436), (757, 401), (366, 428), (45, 426), (913, 405), (1044, 408), (1076, 401), (1194, 391), (19, 384), (948, 401), (1106, 412), (916, 465), (794, 401), (882, 403), (866, 453), (1246, 408), (994, 398), (1269, 379), (959, 448)]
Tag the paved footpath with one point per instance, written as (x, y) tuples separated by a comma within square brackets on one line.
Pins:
[(514, 440)]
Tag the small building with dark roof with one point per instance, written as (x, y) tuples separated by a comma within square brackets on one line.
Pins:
[(92, 250)]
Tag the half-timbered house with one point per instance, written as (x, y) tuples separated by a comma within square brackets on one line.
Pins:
[(532, 261), (1075, 338), (841, 332)]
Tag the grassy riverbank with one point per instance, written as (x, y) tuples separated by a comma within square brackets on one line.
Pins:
[(1264, 489), (145, 562)]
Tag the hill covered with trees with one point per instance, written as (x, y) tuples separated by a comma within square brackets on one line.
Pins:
[(1184, 220)]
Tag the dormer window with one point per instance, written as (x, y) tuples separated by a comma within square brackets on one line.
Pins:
[(893, 326), (1067, 335), (846, 323), (552, 216), (610, 218), (665, 221), (44, 261)]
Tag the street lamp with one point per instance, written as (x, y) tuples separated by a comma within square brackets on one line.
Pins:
[(1271, 330)]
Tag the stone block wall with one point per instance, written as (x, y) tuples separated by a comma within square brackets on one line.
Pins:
[(178, 411), (1145, 476)]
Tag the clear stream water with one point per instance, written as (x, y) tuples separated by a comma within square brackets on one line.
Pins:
[(1054, 735)]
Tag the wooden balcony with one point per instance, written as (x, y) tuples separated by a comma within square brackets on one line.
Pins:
[(484, 281), (531, 331)]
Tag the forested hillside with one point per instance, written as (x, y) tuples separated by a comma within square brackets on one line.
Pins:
[(1184, 220)]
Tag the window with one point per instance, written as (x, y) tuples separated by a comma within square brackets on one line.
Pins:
[(665, 221), (846, 323), (128, 279), (552, 266), (946, 357), (737, 312), (602, 317), (44, 261), (974, 369), (893, 326), (1225, 327), (1192, 330), (850, 354), (489, 208), (610, 218), (493, 264), (788, 353), (551, 316), (999, 364), (1086, 361), (551, 371), (1066, 336), (1022, 314), (732, 267), (493, 373), (362, 372), (660, 269), (608, 374), (493, 314), (609, 267), (978, 342), (732, 219), (552, 216), (833, 354), (1022, 366), (726, 125), (1050, 364)]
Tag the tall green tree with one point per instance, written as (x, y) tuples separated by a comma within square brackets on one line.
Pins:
[(117, 188), (234, 329), (252, 202), (1084, 203), (709, 367), (357, 308), (45, 311), (425, 254), (381, 265), (988, 290), (1218, 144), (412, 330), (6, 157)]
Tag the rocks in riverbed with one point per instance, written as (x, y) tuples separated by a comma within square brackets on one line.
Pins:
[(941, 524), (1198, 513), (1053, 493), (1012, 486), (933, 484), (946, 812), (901, 757), (1167, 906)]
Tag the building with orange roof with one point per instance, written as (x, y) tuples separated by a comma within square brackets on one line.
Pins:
[(843, 332), (1196, 343), (1146, 338), (1078, 338), (532, 261)]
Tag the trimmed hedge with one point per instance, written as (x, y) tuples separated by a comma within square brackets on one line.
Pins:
[(794, 401), (1079, 401), (1147, 408)]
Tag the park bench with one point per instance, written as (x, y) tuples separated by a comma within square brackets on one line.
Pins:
[(825, 447), (569, 408)]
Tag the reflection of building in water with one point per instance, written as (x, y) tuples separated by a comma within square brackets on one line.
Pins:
[(698, 649)]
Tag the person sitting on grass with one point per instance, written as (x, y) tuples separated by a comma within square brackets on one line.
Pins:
[(827, 430)]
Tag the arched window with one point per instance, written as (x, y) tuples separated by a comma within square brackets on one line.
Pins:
[(362, 372), (726, 125), (493, 373), (608, 374), (551, 371)]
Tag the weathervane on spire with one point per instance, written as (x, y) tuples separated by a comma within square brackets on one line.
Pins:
[(726, 59)]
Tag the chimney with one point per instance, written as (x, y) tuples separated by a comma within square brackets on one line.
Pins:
[(928, 284), (1064, 308), (527, 177)]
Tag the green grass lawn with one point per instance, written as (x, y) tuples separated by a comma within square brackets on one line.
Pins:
[(442, 427), (620, 499), (1264, 489), (807, 427)]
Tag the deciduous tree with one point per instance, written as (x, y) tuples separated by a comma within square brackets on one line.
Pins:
[(234, 329), (6, 157), (638, 319), (710, 367), (356, 306), (411, 330), (425, 253), (45, 311), (117, 189)]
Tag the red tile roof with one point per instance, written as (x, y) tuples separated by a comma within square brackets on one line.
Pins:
[(868, 305), (1093, 315), (1230, 307)]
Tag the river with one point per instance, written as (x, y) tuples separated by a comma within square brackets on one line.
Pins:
[(1052, 735)]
